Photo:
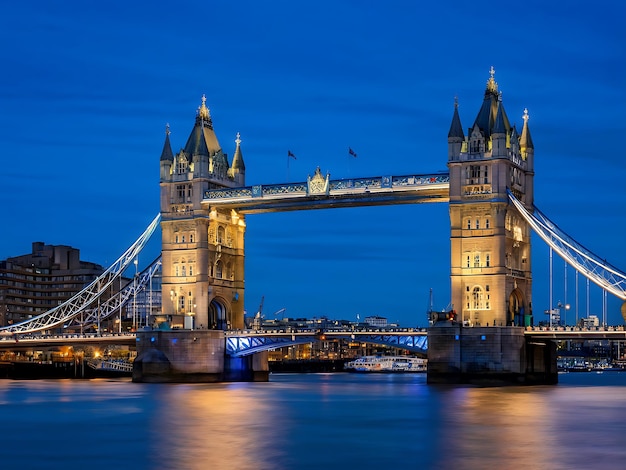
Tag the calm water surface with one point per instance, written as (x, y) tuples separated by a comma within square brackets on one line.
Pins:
[(313, 421)]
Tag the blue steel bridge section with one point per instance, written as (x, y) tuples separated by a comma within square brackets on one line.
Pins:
[(245, 342)]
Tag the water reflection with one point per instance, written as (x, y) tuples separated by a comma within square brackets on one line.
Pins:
[(312, 421), (217, 426), (535, 427)]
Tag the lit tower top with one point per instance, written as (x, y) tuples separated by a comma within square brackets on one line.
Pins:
[(202, 140), (486, 117)]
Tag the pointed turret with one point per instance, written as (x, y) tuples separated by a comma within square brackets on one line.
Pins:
[(238, 170), (525, 141), (167, 156), (166, 153), (455, 134), (238, 164), (456, 129)]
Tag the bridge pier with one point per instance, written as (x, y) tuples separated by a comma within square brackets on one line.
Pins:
[(192, 356), (488, 356)]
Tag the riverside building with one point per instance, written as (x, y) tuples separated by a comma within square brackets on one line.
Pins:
[(33, 283)]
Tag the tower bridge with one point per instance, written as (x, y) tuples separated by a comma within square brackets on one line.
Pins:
[(490, 192)]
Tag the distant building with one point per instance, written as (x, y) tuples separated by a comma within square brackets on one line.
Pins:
[(590, 321), (376, 321), (34, 283)]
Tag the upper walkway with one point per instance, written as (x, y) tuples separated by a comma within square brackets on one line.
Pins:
[(321, 192)]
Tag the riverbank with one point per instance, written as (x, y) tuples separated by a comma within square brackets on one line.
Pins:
[(24, 370)]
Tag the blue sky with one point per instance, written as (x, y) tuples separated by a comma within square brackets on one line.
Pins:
[(87, 89)]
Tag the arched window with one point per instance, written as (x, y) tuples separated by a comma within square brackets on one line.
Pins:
[(486, 223), (181, 303), (469, 224), (176, 239), (221, 235), (183, 270), (477, 298), (229, 271), (183, 239), (218, 270), (191, 238), (477, 225), (477, 261)]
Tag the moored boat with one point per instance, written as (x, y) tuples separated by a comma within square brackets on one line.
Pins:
[(387, 364)]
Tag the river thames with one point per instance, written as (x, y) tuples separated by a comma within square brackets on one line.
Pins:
[(314, 421)]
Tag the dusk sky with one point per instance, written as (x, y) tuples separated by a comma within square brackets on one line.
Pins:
[(87, 89)]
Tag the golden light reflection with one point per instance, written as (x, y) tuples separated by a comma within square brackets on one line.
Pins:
[(516, 427), (216, 426)]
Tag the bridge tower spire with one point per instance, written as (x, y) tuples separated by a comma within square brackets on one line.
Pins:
[(490, 242), (202, 248)]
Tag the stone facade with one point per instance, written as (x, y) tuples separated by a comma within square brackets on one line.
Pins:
[(202, 248), (489, 241)]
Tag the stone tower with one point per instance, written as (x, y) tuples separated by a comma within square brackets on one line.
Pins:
[(490, 242), (202, 248)]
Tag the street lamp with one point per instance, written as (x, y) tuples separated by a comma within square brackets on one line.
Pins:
[(559, 305)]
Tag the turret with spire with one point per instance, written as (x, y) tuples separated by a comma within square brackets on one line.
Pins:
[(489, 240), (167, 156), (238, 171), (202, 247)]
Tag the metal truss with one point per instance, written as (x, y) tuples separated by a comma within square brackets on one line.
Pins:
[(237, 346), (243, 343), (91, 316), (408, 342), (598, 271), (86, 297)]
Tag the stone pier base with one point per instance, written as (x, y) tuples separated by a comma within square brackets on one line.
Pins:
[(488, 356), (187, 356)]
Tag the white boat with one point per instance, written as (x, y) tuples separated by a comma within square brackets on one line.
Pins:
[(387, 364)]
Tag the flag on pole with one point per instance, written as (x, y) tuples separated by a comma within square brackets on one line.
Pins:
[(351, 152), (290, 155)]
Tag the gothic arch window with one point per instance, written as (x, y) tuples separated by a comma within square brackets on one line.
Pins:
[(477, 299), (221, 235), (176, 239), (218, 269), (477, 224), (487, 223), (469, 224), (191, 238), (181, 303), (229, 271), (183, 239)]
